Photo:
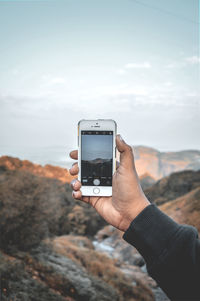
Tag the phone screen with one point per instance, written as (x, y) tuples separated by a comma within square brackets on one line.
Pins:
[(96, 158)]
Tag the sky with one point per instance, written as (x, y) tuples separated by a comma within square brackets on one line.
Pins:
[(135, 61), (97, 146)]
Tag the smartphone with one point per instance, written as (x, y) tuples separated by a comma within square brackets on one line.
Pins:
[(96, 156)]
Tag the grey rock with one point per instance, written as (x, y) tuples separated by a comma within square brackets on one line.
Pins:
[(70, 276)]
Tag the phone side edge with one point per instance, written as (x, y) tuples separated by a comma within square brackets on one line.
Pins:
[(79, 150)]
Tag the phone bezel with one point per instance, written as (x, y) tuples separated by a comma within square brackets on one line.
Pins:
[(100, 125)]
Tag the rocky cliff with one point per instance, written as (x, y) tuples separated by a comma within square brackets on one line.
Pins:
[(160, 164)]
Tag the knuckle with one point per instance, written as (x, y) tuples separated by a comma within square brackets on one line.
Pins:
[(130, 148)]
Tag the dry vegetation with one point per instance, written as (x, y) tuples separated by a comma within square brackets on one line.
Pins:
[(101, 266), (185, 209), (45, 263), (173, 186), (47, 171)]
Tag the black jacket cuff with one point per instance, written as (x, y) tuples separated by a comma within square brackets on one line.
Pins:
[(150, 233)]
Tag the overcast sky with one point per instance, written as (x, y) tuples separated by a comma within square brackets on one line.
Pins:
[(133, 61), (97, 146)]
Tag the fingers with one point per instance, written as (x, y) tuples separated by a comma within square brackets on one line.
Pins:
[(75, 184), (77, 195), (74, 154), (126, 153), (74, 169)]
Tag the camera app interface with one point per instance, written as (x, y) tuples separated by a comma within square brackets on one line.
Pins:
[(97, 158)]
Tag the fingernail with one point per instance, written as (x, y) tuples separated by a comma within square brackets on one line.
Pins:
[(73, 182), (72, 166), (70, 170)]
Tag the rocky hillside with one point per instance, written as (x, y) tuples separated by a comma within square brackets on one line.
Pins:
[(173, 186), (61, 270), (151, 165), (47, 171), (185, 209), (39, 261), (52, 247), (34, 207), (160, 164)]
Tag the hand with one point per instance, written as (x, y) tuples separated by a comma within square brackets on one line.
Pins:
[(127, 199)]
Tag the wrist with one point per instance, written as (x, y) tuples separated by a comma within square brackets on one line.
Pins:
[(133, 213)]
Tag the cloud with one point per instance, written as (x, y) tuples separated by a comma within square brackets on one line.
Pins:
[(15, 71), (58, 80), (168, 84), (193, 60), (172, 65), (144, 65), (121, 71), (53, 80)]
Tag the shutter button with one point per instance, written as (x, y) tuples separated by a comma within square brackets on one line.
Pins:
[(96, 182)]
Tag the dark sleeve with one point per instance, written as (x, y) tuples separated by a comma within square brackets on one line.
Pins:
[(171, 252)]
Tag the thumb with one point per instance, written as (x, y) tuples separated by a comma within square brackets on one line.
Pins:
[(126, 153)]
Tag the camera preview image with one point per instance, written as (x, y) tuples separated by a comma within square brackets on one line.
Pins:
[(96, 158)]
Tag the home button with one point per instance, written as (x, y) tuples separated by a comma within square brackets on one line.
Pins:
[(96, 190)]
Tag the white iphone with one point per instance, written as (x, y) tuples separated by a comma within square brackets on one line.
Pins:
[(96, 156)]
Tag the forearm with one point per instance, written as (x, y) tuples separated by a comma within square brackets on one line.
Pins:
[(171, 252)]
